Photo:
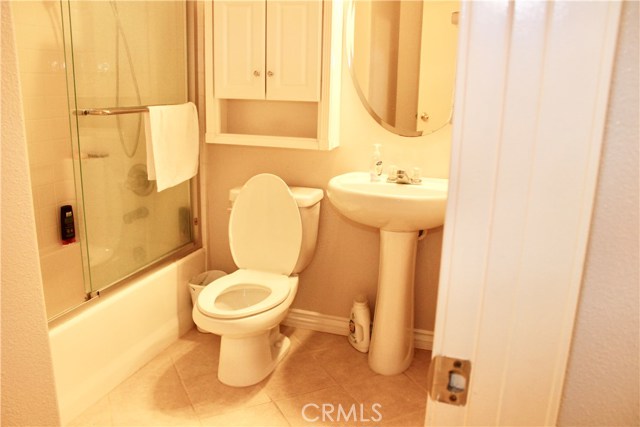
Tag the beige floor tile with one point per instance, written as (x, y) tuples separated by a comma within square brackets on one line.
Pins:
[(296, 345), (314, 341), (344, 363), (210, 397), (189, 340), (196, 354), (97, 415), (410, 419), (180, 387), (265, 415), (329, 407), (153, 396), (419, 367), (298, 373), (395, 395)]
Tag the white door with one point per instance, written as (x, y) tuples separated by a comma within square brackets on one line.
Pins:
[(294, 50), (239, 49), (531, 97)]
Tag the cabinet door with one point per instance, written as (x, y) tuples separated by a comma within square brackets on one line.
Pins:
[(294, 50), (239, 49)]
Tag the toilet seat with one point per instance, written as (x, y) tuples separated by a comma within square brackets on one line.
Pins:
[(243, 293)]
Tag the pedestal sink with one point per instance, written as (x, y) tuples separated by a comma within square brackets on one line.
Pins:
[(400, 211)]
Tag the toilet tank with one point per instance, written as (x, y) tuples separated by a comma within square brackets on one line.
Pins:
[(308, 200)]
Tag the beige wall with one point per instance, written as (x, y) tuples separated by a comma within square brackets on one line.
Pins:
[(603, 375), (28, 391), (346, 260)]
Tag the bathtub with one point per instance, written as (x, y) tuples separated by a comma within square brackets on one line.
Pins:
[(99, 346)]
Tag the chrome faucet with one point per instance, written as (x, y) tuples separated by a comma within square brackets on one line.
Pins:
[(400, 176)]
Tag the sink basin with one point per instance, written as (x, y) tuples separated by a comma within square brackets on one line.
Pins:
[(390, 206)]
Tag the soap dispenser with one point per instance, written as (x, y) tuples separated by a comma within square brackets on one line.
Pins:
[(375, 168)]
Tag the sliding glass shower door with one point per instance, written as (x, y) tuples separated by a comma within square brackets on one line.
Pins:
[(124, 54)]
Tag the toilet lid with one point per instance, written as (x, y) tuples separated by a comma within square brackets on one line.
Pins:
[(265, 229)]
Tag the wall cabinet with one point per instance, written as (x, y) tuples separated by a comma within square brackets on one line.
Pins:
[(267, 50), (272, 73)]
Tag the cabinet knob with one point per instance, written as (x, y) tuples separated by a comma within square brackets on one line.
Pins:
[(270, 73), (256, 73)]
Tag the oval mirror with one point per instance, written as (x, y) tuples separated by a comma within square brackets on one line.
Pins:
[(402, 58)]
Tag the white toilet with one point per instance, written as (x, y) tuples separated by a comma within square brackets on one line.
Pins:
[(272, 234)]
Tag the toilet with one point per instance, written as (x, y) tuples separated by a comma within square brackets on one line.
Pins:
[(272, 235)]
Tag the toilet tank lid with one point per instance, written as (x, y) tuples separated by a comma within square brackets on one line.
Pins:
[(304, 196)]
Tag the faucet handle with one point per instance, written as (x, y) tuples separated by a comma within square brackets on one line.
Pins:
[(416, 175), (403, 177), (392, 174), (400, 176)]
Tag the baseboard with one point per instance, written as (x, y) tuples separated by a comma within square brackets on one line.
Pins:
[(340, 326)]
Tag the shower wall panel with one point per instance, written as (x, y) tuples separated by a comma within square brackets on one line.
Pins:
[(39, 38)]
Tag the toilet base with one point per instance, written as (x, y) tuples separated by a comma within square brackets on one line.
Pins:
[(247, 360)]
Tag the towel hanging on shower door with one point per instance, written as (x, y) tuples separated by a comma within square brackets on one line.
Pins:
[(172, 136)]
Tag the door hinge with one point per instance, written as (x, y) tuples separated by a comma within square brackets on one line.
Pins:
[(448, 380)]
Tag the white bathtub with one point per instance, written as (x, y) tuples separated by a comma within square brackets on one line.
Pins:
[(102, 344)]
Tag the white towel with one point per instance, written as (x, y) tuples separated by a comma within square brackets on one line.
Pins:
[(172, 143)]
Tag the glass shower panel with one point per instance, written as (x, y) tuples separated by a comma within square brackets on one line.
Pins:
[(126, 54)]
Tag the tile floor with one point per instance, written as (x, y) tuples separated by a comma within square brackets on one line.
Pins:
[(322, 371)]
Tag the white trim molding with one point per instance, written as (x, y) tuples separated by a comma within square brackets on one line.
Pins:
[(340, 326)]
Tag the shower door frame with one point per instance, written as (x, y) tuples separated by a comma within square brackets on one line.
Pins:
[(196, 203)]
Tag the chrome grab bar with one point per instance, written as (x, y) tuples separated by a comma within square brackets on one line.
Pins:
[(112, 111)]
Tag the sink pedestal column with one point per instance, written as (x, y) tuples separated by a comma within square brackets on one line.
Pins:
[(391, 349)]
